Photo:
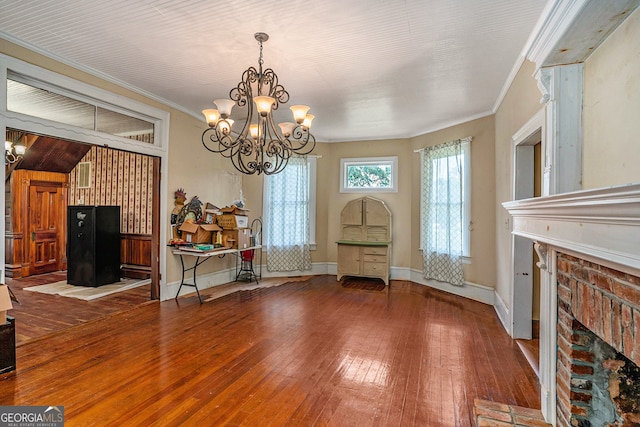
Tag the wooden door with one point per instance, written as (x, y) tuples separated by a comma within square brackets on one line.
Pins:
[(46, 227)]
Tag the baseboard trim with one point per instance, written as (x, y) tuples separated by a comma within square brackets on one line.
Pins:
[(503, 313), (473, 291), (470, 290)]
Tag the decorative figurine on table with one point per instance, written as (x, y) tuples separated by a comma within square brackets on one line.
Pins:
[(192, 211), (180, 198)]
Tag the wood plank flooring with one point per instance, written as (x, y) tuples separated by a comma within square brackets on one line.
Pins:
[(304, 353), (39, 315)]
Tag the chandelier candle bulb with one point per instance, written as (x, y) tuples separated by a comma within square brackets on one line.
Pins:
[(13, 151), (263, 104), (253, 129), (224, 106), (225, 126), (307, 121), (212, 116), (299, 113), (286, 128), (258, 145)]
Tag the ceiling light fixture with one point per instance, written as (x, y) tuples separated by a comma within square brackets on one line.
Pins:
[(13, 152), (260, 146)]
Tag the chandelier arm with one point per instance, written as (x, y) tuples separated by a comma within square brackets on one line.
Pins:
[(277, 165), (302, 141), (243, 92)]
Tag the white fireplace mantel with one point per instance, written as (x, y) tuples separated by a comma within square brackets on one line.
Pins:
[(603, 224)]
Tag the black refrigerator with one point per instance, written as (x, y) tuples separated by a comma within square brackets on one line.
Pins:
[(93, 245)]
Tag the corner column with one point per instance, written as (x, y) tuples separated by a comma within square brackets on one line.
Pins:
[(562, 93)]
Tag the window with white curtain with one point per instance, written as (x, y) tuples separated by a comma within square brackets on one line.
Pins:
[(445, 209), (289, 214)]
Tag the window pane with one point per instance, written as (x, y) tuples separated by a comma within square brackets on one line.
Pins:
[(369, 176), (33, 101), (125, 126), (445, 214)]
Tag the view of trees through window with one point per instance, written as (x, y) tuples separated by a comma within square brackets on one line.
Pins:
[(369, 176)]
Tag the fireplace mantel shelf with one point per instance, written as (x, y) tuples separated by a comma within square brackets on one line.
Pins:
[(603, 224)]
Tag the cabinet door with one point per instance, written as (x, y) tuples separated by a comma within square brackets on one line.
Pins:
[(376, 213), (352, 213), (348, 260)]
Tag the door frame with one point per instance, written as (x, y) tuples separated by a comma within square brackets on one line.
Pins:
[(522, 180)]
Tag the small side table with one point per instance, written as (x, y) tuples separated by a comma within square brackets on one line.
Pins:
[(8, 346)]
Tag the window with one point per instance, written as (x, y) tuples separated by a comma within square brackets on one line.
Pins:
[(84, 175), (289, 211), (449, 194), (373, 174), (39, 99)]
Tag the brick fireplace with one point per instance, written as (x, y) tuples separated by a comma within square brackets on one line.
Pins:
[(588, 243), (598, 379)]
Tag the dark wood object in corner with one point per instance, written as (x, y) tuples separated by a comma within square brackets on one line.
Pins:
[(135, 255)]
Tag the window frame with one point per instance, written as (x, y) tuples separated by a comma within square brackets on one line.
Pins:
[(345, 163), (466, 200), (83, 92)]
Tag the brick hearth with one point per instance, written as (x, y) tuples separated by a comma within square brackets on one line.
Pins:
[(492, 414)]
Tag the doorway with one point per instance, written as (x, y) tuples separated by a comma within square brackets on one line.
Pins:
[(37, 203), (527, 183)]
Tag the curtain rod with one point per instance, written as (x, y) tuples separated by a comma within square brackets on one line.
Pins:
[(467, 139)]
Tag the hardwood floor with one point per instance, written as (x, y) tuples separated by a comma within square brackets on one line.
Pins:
[(38, 315), (308, 352)]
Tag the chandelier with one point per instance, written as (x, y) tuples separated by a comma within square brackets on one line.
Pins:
[(13, 152), (259, 146)]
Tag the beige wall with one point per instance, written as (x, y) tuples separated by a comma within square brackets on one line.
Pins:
[(612, 109), (481, 270), (404, 204), (520, 104), (399, 203)]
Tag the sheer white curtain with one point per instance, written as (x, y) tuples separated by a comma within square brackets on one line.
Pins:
[(287, 217), (442, 212)]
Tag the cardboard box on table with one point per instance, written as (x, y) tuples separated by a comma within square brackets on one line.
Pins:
[(236, 239), (232, 218), (198, 233)]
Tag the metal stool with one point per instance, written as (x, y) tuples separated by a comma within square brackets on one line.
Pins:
[(246, 266)]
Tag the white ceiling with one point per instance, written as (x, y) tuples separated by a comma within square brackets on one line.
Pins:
[(375, 69)]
